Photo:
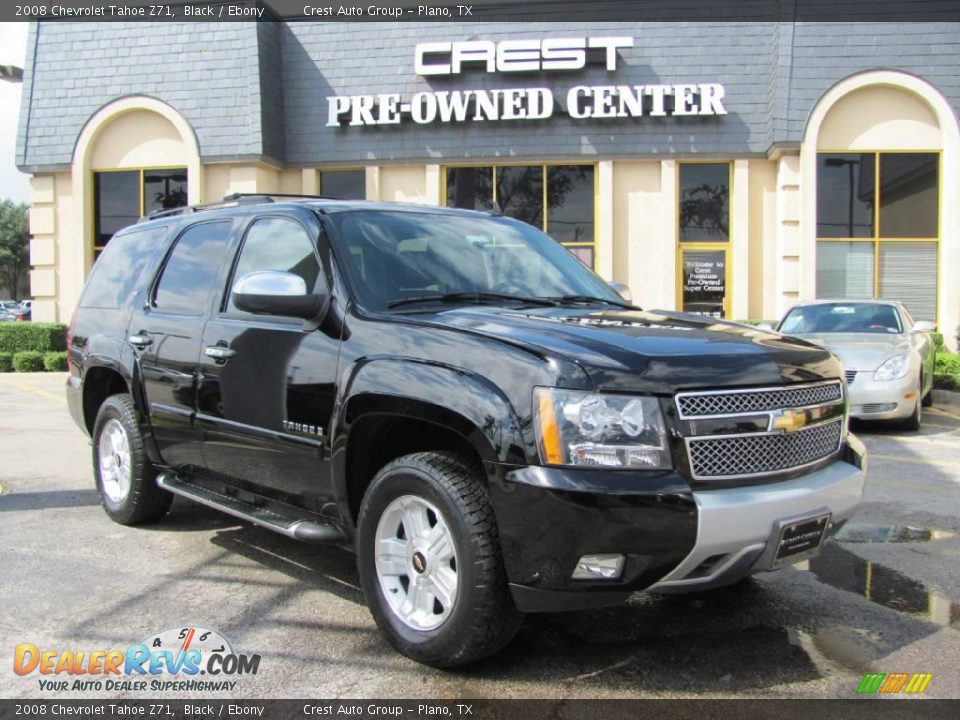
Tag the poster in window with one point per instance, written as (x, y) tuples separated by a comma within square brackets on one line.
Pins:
[(704, 282)]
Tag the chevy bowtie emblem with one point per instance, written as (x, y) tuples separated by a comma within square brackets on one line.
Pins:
[(788, 420)]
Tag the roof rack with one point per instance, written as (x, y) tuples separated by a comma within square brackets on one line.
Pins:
[(231, 200)]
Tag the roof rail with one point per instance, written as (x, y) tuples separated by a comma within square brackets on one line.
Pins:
[(231, 200)]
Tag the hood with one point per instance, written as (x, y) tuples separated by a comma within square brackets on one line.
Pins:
[(653, 352), (861, 351)]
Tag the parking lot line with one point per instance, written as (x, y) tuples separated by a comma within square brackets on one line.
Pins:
[(945, 413), (42, 393), (919, 440)]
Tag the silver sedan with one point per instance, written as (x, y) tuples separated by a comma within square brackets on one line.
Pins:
[(887, 355)]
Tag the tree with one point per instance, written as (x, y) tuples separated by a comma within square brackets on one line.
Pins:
[(14, 245)]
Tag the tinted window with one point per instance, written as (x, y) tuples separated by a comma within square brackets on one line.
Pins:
[(277, 244), (909, 186), (116, 273), (843, 318), (116, 201), (191, 269), (520, 193), (400, 255), (346, 184), (705, 202), (470, 187), (845, 195), (164, 189), (570, 203)]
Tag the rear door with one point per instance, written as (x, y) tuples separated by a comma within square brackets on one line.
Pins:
[(166, 332), (267, 384)]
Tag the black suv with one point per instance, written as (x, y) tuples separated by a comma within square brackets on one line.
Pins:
[(452, 394)]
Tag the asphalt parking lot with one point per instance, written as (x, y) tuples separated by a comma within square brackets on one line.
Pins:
[(884, 597)]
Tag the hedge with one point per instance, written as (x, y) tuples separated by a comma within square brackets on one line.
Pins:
[(18, 337), (6, 362), (28, 361), (55, 361), (946, 373)]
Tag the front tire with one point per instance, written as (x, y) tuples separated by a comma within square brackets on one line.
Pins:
[(429, 559), (126, 480), (913, 422)]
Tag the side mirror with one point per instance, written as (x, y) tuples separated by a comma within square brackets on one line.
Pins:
[(924, 326), (622, 289), (270, 292)]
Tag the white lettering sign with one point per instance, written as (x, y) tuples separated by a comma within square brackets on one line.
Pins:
[(533, 103)]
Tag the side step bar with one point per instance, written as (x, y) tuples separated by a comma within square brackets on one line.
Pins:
[(296, 528)]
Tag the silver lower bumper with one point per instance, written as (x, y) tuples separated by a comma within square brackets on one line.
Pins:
[(739, 527)]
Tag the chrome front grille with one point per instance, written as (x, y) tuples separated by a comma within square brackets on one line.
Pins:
[(730, 456), (741, 402), (851, 375), (761, 431)]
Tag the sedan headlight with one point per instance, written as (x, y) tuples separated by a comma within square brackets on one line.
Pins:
[(893, 368), (583, 428)]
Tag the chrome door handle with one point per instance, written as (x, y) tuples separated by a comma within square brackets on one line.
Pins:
[(219, 352), (140, 341)]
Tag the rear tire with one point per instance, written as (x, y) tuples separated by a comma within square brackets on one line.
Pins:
[(126, 480), (428, 553)]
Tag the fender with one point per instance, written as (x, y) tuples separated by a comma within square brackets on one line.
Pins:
[(104, 351), (463, 402)]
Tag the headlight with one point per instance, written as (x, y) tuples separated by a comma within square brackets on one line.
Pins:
[(893, 368), (582, 428)]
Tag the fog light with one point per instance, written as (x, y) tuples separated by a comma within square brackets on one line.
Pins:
[(599, 567)]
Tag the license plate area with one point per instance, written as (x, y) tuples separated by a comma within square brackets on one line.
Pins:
[(800, 538)]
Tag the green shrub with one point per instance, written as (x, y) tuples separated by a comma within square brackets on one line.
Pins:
[(28, 361), (6, 362), (938, 341), (18, 337), (55, 361), (946, 373)]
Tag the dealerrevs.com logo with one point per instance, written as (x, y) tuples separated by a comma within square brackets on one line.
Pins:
[(182, 659)]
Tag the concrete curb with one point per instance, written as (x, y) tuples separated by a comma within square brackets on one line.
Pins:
[(946, 397)]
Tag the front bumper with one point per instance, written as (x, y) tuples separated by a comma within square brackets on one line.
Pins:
[(871, 399), (674, 539)]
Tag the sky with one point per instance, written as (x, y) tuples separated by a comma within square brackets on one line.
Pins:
[(13, 49)]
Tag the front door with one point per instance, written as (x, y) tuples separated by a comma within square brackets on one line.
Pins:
[(166, 335), (704, 287), (267, 384)]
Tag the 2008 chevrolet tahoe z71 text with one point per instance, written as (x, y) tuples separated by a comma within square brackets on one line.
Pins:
[(453, 395)]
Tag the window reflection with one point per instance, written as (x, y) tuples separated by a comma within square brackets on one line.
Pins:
[(116, 199), (705, 202), (845, 195), (570, 203), (470, 188), (344, 184), (909, 186), (520, 193), (164, 189)]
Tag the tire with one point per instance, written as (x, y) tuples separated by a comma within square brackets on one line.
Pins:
[(127, 481), (442, 495), (913, 422)]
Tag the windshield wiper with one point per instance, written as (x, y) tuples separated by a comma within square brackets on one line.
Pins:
[(590, 299), (471, 297)]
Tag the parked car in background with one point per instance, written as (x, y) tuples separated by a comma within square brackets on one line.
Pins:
[(24, 311), (8, 309), (888, 356)]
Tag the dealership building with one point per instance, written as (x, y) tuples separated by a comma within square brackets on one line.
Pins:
[(725, 168)]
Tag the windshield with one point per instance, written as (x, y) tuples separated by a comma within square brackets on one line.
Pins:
[(842, 318), (398, 256)]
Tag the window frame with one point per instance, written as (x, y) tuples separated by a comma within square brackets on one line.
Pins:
[(698, 245), (95, 248), (151, 299), (481, 163), (223, 306), (877, 240)]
